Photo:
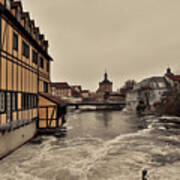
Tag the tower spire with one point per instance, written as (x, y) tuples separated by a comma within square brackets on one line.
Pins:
[(105, 75)]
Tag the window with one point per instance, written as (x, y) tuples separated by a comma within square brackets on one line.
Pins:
[(18, 15), (15, 41), (26, 101), (41, 62), (26, 25), (37, 36), (14, 101), (32, 30), (47, 68), (45, 87), (35, 101), (8, 4), (34, 57), (22, 101), (2, 102), (29, 101), (25, 49)]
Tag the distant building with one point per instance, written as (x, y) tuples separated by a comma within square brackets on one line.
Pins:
[(173, 80), (128, 86), (116, 97), (61, 89), (92, 96), (76, 91), (85, 94), (105, 87), (149, 90)]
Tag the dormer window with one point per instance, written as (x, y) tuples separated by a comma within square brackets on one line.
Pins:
[(32, 30), (26, 25), (18, 15), (8, 4), (37, 36)]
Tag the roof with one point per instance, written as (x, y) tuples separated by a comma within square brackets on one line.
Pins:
[(155, 79), (21, 29), (105, 81), (15, 4), (25, 14), (55, 99), (84, 91), (174, 77), (156, 82), (60, 85)]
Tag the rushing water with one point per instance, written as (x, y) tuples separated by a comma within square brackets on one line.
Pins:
[(100, 146)]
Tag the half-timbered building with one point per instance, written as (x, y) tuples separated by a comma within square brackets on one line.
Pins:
[(24, 76)]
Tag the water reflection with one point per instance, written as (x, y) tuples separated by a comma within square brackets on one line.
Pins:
[(104, 116)]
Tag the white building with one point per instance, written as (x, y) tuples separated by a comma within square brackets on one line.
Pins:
[(149, 90)]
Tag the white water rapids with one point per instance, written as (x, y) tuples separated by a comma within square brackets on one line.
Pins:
[(101, 146)]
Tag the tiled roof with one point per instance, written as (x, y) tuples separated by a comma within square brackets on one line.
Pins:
[(54, 99), (61, 85), (174, 77)]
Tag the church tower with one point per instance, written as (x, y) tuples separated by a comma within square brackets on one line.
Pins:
[(105, 86)]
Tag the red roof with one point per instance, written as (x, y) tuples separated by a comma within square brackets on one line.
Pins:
[(61, 85), (174, 77)]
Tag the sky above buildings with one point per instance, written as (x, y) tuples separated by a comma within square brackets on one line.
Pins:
[(132, 39)]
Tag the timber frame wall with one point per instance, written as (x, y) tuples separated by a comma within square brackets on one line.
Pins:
[(24, 64)]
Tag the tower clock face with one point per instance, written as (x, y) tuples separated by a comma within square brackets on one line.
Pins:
[(8, 4)]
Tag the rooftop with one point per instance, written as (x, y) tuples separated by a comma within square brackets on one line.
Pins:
[(174, 77), (54, 99), (60, 85), (106, 81)]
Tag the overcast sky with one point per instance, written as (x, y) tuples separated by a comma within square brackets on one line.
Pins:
[(132, 39)]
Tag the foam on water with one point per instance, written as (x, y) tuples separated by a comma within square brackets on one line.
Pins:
[(90, 157)]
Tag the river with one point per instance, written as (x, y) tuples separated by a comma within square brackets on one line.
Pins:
[(100, 146)]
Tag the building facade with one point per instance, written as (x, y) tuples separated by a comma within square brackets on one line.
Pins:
[(150, 91), (172, 79), (61, 89), (24, 75), (105, 87)]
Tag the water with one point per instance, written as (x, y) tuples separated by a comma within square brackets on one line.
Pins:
[(100, 146)]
